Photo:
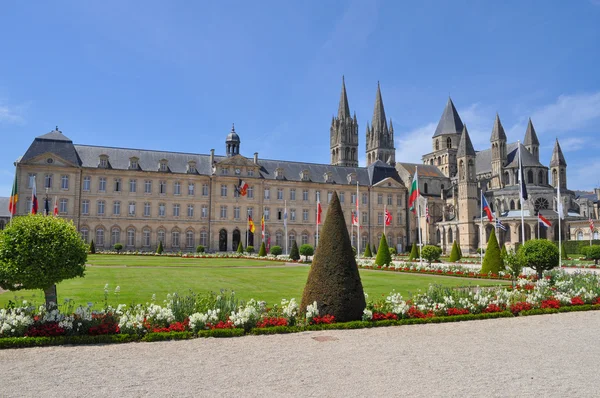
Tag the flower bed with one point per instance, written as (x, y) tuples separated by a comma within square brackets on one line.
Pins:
[(222, 315)]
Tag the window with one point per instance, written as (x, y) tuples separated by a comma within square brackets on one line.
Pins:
[(48, 181), (293, 194), (103, 162), (191, 187), (305, 195), (148, 186), (204, 211), (399, 218), (132, 208), (224, 171), (30, 180), (250, 192), (390, 199), (279, 193), (530, 177), (292, 214), (204, 238), (116, 208), (365, 218), (379, 199), (86, 183), (133, 163), (161, 209), (163, 166), (162, 187), (189, 239), (342, 195), (101, 206), (425, 188), (579, 235), (250, 211), (191, 169), (204, 189), (132, 185), (223, 212), (130, 237), (176, 210), (190, 211), (380, 218), (399, 199), (280, 214), (62, 206), (353, 198), (223, 190), (177, 188), (364, 198), (175, 239), (84, 232), (28, 205), (304, 238), (317, 196), (85, 207), (250, 173), (236, 212), (146, 237), (236, 191), (161, 236), (100, 237), (595, 235), (102, 184), (267, 193), (279, 238), (147, 209), (115, 236), (117, 185), (267, 214), (291, 239), (304, 215), (329, 196), (449, 143), (64, 182)]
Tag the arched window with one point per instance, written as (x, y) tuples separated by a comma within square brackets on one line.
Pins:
[(204, 238), (540, 178), (579, 235), (189, 239), (425, 188), (100, 237), (431, 162), (530, 177), (450, 240), (554, 178), (449, 143), (512, 204), (115, 236), (175, 239), (304, 238), (437, 145), (279, 238), (470, 170), (130, 237), (461, 170), (160, 236), (83, 232), (506, 178), (146, 237)]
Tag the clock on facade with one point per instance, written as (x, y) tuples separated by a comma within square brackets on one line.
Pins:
[(237, 171)]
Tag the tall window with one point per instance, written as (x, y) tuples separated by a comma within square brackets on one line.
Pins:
[(62, 206), (204, 189), (177, 188), (146, 237), (116, 208), (190, 211), (85, 207), (304, 215), (30, 180), (161, 209), (191, 187), (364, 198), (132, 185), (84, 232), (223, 190), (147, 209), (204, 211), (176, 210), (305, 195), (87, 183), (130, 237), (189, 239), (162, 187), (161, 236), (131, 209), (204, 238), (148, 186), (292, 214), (175, 239), (267, 214), (64, 182), (250, 192), (399, 199), (292, 193), (380, 218), (236, 212), (115, 236), (100, 237), (365, 218), (117, 185), (250, 212), (342, 197), (267, 193), (101, 207), (425, 188), (48, 181), (279, 193), (223, 212), (329, 196), (279, 238), (379, 199), (102, 184), (304, 238), (390, 199)]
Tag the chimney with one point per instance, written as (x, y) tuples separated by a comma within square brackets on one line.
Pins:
[(255, 157), (212, 157)]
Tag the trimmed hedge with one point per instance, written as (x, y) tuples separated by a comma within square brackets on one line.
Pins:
[(574, 246)]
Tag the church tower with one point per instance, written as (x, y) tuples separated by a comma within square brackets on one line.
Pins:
[(558, 164), (467, 191), (343, 134), (445, 141), (531, 141), (498, 140), (380, 138)]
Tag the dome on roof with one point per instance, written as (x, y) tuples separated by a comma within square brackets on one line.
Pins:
[(232, 136)]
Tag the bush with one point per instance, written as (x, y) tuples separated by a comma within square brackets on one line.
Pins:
[(454, 255), (276, 250), (563, 252), (159, 249), (594, 253), (118, 247), (460, 255), (240, 248), (373, 249), (503, 252), (574, 246), (584, 251), (333, 280), (414, 252), (478, 251), (383, 254), (539, 254), (250, 249), (368, 253), (514, 265), (306, 250), (92, 247), (262, 252), (393, 251), (200, 249), (492, 261), (294, 253), (431, 253), (37, 252)]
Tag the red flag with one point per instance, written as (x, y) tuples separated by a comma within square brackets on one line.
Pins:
[(388, 217), (354, 218), (55, 206), (319, 211), (34, 200), (242, 187), (591, 224), (14, 198)]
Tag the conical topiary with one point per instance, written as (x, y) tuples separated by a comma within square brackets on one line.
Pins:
[(92, 247), (373, 249), (383, 253), (262, 252), (294, 253), (159, 249), (459, 251), (368, 253), (492, 261), (454, 254), (333, 281), (240, 248), (503, 252), (414, 252)]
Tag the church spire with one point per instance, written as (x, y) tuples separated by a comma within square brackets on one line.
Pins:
[(450, 122), (344, 108), (380, 139), (465, 147), (558, 159), (530, 135), (379, 123), (498, 133), (343, 134)]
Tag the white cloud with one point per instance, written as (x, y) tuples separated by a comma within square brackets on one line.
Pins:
[(584, 175), (571, 144), (412, 145), (568, 113), (11, 114)]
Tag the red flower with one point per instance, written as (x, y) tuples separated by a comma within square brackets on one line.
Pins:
[(380, 316), (521, 306), (577, 301), (327, 319), (457, 311), (48, 329), (493, 308), (271, 321), (550, 303)]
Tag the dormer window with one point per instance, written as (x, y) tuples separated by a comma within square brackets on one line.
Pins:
[(191, 167), (279, 173), (133, 163), (103, 163), (327, 176), (351, 177), (304, 175), (250, 173), (163, 165), (224, 171)]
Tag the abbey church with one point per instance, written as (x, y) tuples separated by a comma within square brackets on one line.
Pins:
[(140, 197)]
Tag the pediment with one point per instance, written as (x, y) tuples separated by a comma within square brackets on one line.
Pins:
[(50, 159), (237, 160), (389, 182)]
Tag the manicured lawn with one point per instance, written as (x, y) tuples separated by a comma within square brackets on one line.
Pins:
[(161, 261), (138, 284)]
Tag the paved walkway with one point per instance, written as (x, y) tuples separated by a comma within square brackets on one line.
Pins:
[(537, 356)]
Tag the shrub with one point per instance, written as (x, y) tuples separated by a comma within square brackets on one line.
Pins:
[(294, 253), (393, 251), (492, 261), (563, 251), (200, 249), (240, 248), (454, 256), (478, 251), (414, 252), (584, 251), (118, 247), (250, 249), (262, 252), (368, 253), (276, 250), (514, 265), (539, 254), (431, 253), (92, 247), (460, 255), (306, 250), (373, 249), (37, 252), (503, 252), (333, 280), (159, 249), (383, 254), (594, 253)]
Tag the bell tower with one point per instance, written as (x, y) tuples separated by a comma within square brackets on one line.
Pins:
[(467, 191), (343, 134)]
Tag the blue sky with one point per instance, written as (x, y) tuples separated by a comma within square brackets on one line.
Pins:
[(175, 75)]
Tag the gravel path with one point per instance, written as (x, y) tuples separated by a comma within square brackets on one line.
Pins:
[(550, 355)]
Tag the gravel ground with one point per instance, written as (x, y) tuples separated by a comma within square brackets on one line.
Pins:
[(542, 356)]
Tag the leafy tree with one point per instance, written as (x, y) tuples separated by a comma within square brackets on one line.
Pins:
[(276, 250), (262, 252), (368, 253), (594, 253), (294, 253), (514, 265), (240, 248), (250, 249), (160, 249), (333, 280), (414, 252), (492, 261), (383, 254), (539, 254), (92, 247), (306, 250), (118, 247), (200, 249), (431, 253), (37, 252), (454, 255)]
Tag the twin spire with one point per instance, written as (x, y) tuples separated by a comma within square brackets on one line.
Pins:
[(558, 159), (344, 108)]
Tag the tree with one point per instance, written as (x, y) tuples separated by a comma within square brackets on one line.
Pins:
[(333, 281), (460, 255), (306, 250), (373, 249), (294, 253), (262, 251), (454, 255), (431, 253), (240, 248), (37, 252), (368, 253), (118, 247), (594, 253), (276, 250), (159, 249), (539, 254), (383, 253), (414, 252), (514, 265), (492, 260), (92, 247), (393, 251)]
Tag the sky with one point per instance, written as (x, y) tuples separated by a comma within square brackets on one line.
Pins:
[(174, 76)]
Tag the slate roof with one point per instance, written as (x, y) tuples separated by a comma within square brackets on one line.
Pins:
[(4, 207), (586, 195), (465, 147), (530, 135), (54, 142), (425, 170), (450, 122), (558, 159), (483, 160), (498, 131)]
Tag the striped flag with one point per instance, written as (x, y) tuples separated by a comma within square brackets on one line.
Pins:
[(14, 198), (544, 221), (414, 193), (500, 225), (591, 224), (427, 214), (388, 217)]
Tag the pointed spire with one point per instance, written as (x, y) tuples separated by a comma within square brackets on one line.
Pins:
[(465, 147), (558, 159), (530, 135), (344, 108), (379, 123), (450, 122), (498, 131)]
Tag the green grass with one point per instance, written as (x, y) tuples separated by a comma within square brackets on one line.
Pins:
[(138, 284), (162, 261)]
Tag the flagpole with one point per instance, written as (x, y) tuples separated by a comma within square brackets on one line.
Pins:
[(419, 217), (285, 225), (521, 182), (481, 235), (357, 223), (560, 211), (384, 213), (538, 225), (318, 201)]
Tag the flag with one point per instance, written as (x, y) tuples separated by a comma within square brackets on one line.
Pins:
[(427, 214), (485, 207), (251, 224), (522, 181), (559, 205), (14, 198), (34, 200), (268, 244), (544, 221), (319, 211), (285, 217), (500, 225), (388, 217), (55, 206), (354, 218), (262, 227), (242, 187), (414, 193), (591, 224)]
